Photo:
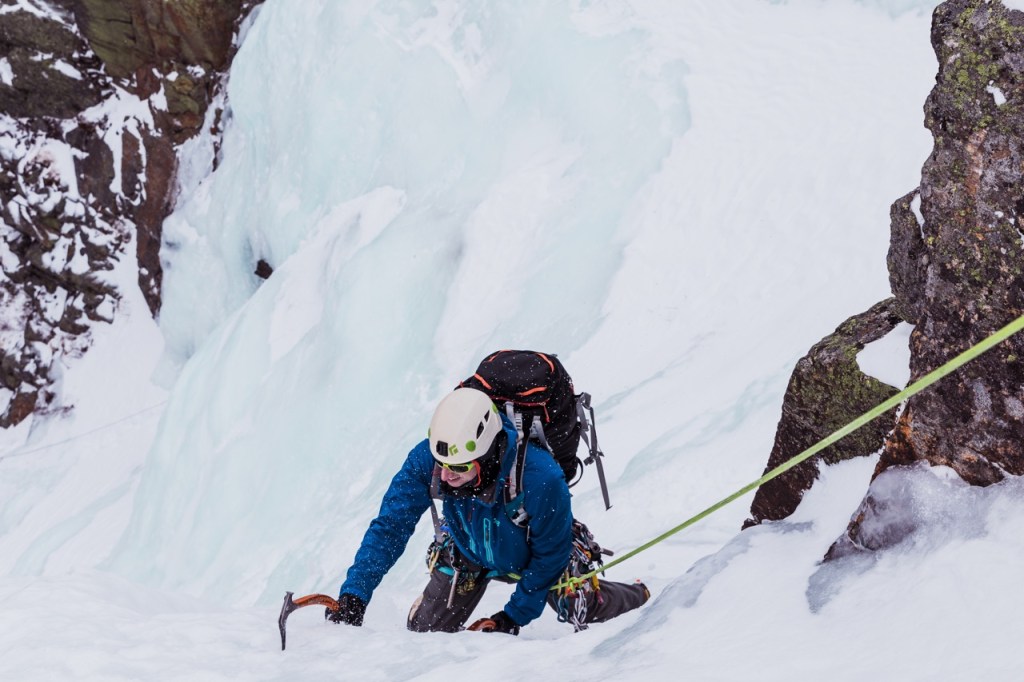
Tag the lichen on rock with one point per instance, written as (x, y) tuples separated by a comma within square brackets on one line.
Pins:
[(956, 259), (826, 391), (965, 280)]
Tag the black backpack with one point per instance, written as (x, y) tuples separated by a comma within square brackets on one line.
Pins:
[(538, 396)]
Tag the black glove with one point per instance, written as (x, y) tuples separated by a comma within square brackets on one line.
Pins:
[(499, 622), (350, 610)]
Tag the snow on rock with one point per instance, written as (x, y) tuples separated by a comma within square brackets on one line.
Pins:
[(6, 73), (997, 95), (49, 228), (888, 358)]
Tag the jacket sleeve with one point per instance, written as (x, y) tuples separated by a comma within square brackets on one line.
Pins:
[(550, 539), (406, 499)]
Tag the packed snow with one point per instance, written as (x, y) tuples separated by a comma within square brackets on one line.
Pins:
[(888, 358), (677, 198), (6, 73), (997, 95)]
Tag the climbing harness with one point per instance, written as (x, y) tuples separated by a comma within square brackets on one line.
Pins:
[(587, 558), (444, 558)]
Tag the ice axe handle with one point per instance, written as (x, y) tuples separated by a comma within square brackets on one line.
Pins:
[(293, 604)]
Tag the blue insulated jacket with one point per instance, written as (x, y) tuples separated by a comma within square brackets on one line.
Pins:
[(480, 529)]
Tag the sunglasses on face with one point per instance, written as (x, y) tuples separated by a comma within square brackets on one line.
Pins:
[(459, 468)]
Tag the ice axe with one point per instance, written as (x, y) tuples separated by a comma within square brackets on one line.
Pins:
[(293, 604)]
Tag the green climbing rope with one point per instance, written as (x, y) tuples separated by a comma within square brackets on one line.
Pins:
[(914, 388)]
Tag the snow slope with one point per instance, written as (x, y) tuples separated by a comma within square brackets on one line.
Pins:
[(677, 198)]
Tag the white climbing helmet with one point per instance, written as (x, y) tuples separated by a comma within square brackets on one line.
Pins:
[(464, 426)]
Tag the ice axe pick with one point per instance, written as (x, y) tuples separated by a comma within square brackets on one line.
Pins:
[(294, 604)]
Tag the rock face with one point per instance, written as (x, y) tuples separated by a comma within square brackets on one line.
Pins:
[(48, 86), (138, 34), (956, 266), (58, 237), (172, 54), (95, 99), (827, 390), (960, 275)]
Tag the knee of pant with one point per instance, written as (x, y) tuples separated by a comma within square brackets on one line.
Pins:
[(413, 623), (425, 625), (415, 626)]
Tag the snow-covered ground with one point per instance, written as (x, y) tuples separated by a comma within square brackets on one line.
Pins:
[(677, 198)]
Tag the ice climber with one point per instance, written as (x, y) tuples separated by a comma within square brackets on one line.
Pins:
[(467, 461)]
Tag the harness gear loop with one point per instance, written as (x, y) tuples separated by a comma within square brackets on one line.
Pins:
[(571, 601)]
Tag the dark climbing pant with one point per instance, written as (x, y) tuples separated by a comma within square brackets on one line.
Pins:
[(431, 613)]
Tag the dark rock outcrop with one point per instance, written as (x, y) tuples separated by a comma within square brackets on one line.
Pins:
[(138, 34), (960, 276), (177, 51), (263, 269), (79, 178), (60, 233), (181, 47), (827, 391), (956, 261), (45, 57)]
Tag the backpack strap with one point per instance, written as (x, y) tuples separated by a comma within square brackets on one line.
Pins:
[(515, 479), (537, 433), (514, 508), (435, 494), (582, 407)]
